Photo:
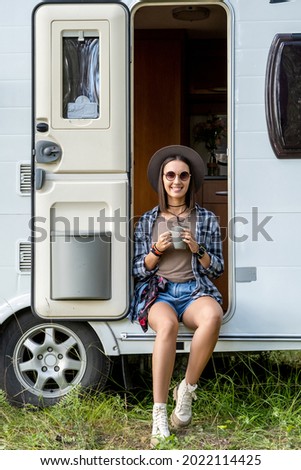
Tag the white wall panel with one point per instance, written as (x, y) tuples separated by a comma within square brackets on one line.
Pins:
[(257, 34), (268, 306), (250, 117), (258, 10), (15, 121), (250, 90), (15, 94), (271, 185), (15, 139), (16, 12), (276, 245), (14, 284), (14, 228), (15, 148), (250, 62), (15, 39), (253, 145), (15, 66)]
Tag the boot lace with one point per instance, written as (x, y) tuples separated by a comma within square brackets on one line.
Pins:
[(160, 422), (185, 400)]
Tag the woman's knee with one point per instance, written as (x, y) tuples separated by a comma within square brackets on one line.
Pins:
[(163, 320), (213, 314), (216, 316), (204, 312)]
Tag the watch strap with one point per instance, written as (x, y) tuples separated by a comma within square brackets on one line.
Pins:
[(201, 251)]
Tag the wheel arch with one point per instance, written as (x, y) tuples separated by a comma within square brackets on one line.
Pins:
[(17, 305)]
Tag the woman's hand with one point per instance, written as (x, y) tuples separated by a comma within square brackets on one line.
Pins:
[(164, 241), (189, 239)]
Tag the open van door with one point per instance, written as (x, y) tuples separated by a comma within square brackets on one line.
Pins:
[(80, 197)]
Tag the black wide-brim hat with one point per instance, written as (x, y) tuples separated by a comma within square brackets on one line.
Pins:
[(195, 161)]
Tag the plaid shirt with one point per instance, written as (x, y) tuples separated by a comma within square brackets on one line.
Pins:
[(207, 234)]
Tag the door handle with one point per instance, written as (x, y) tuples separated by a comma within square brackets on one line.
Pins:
[(40, 178), (47, 152), (221, 193)]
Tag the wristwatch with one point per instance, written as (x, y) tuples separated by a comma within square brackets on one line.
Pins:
[(201, 251)]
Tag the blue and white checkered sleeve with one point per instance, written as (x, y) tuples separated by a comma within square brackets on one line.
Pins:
[(142, 241), (210, 235)]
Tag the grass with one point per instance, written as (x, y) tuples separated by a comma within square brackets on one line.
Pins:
[(244, 402)]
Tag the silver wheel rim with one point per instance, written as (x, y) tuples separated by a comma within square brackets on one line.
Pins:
[(49, 360)]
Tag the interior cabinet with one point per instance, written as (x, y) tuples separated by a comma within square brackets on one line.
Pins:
[(214, 197), (207, 76)]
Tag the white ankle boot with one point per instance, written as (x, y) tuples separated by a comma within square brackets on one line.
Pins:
[(160, 424), (183, 395)]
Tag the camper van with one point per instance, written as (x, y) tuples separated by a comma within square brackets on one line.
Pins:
[(89, 90)]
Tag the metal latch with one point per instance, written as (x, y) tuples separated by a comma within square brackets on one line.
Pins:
[(40, 178), (47, 152)]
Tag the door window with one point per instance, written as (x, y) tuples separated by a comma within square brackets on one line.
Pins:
[(80, 76), (80, 81)]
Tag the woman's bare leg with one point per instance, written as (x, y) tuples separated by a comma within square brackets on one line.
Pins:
[(163, 320), (204, 316)]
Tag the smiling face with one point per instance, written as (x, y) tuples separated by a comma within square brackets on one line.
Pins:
[(177, 188)]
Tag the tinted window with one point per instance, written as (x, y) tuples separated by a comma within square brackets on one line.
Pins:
[(283, 95)]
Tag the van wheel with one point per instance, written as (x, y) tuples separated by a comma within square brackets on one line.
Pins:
[(44, 360)]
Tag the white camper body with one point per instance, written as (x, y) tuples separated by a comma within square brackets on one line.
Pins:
[(62, 316)]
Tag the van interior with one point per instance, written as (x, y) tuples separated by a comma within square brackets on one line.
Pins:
[(180, 78)]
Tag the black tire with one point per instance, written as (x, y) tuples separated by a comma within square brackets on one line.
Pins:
[(44, 360)]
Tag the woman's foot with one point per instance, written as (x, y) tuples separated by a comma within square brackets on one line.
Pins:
[(183, 395), (160, 424)]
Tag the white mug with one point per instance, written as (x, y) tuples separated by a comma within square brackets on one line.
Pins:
[(177, 240)]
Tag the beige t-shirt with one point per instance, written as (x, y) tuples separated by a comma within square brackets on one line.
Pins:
[(175, 265)]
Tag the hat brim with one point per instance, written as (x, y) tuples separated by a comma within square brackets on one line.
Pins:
[(196, 163)]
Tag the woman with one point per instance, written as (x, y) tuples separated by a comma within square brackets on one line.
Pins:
[(173, 284)]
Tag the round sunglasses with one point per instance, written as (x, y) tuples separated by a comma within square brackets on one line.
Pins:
[(171, 175)]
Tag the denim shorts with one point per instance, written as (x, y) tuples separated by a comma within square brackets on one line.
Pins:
[(178, 296)]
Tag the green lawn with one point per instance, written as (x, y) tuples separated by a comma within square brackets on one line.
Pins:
[(244, 402)]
